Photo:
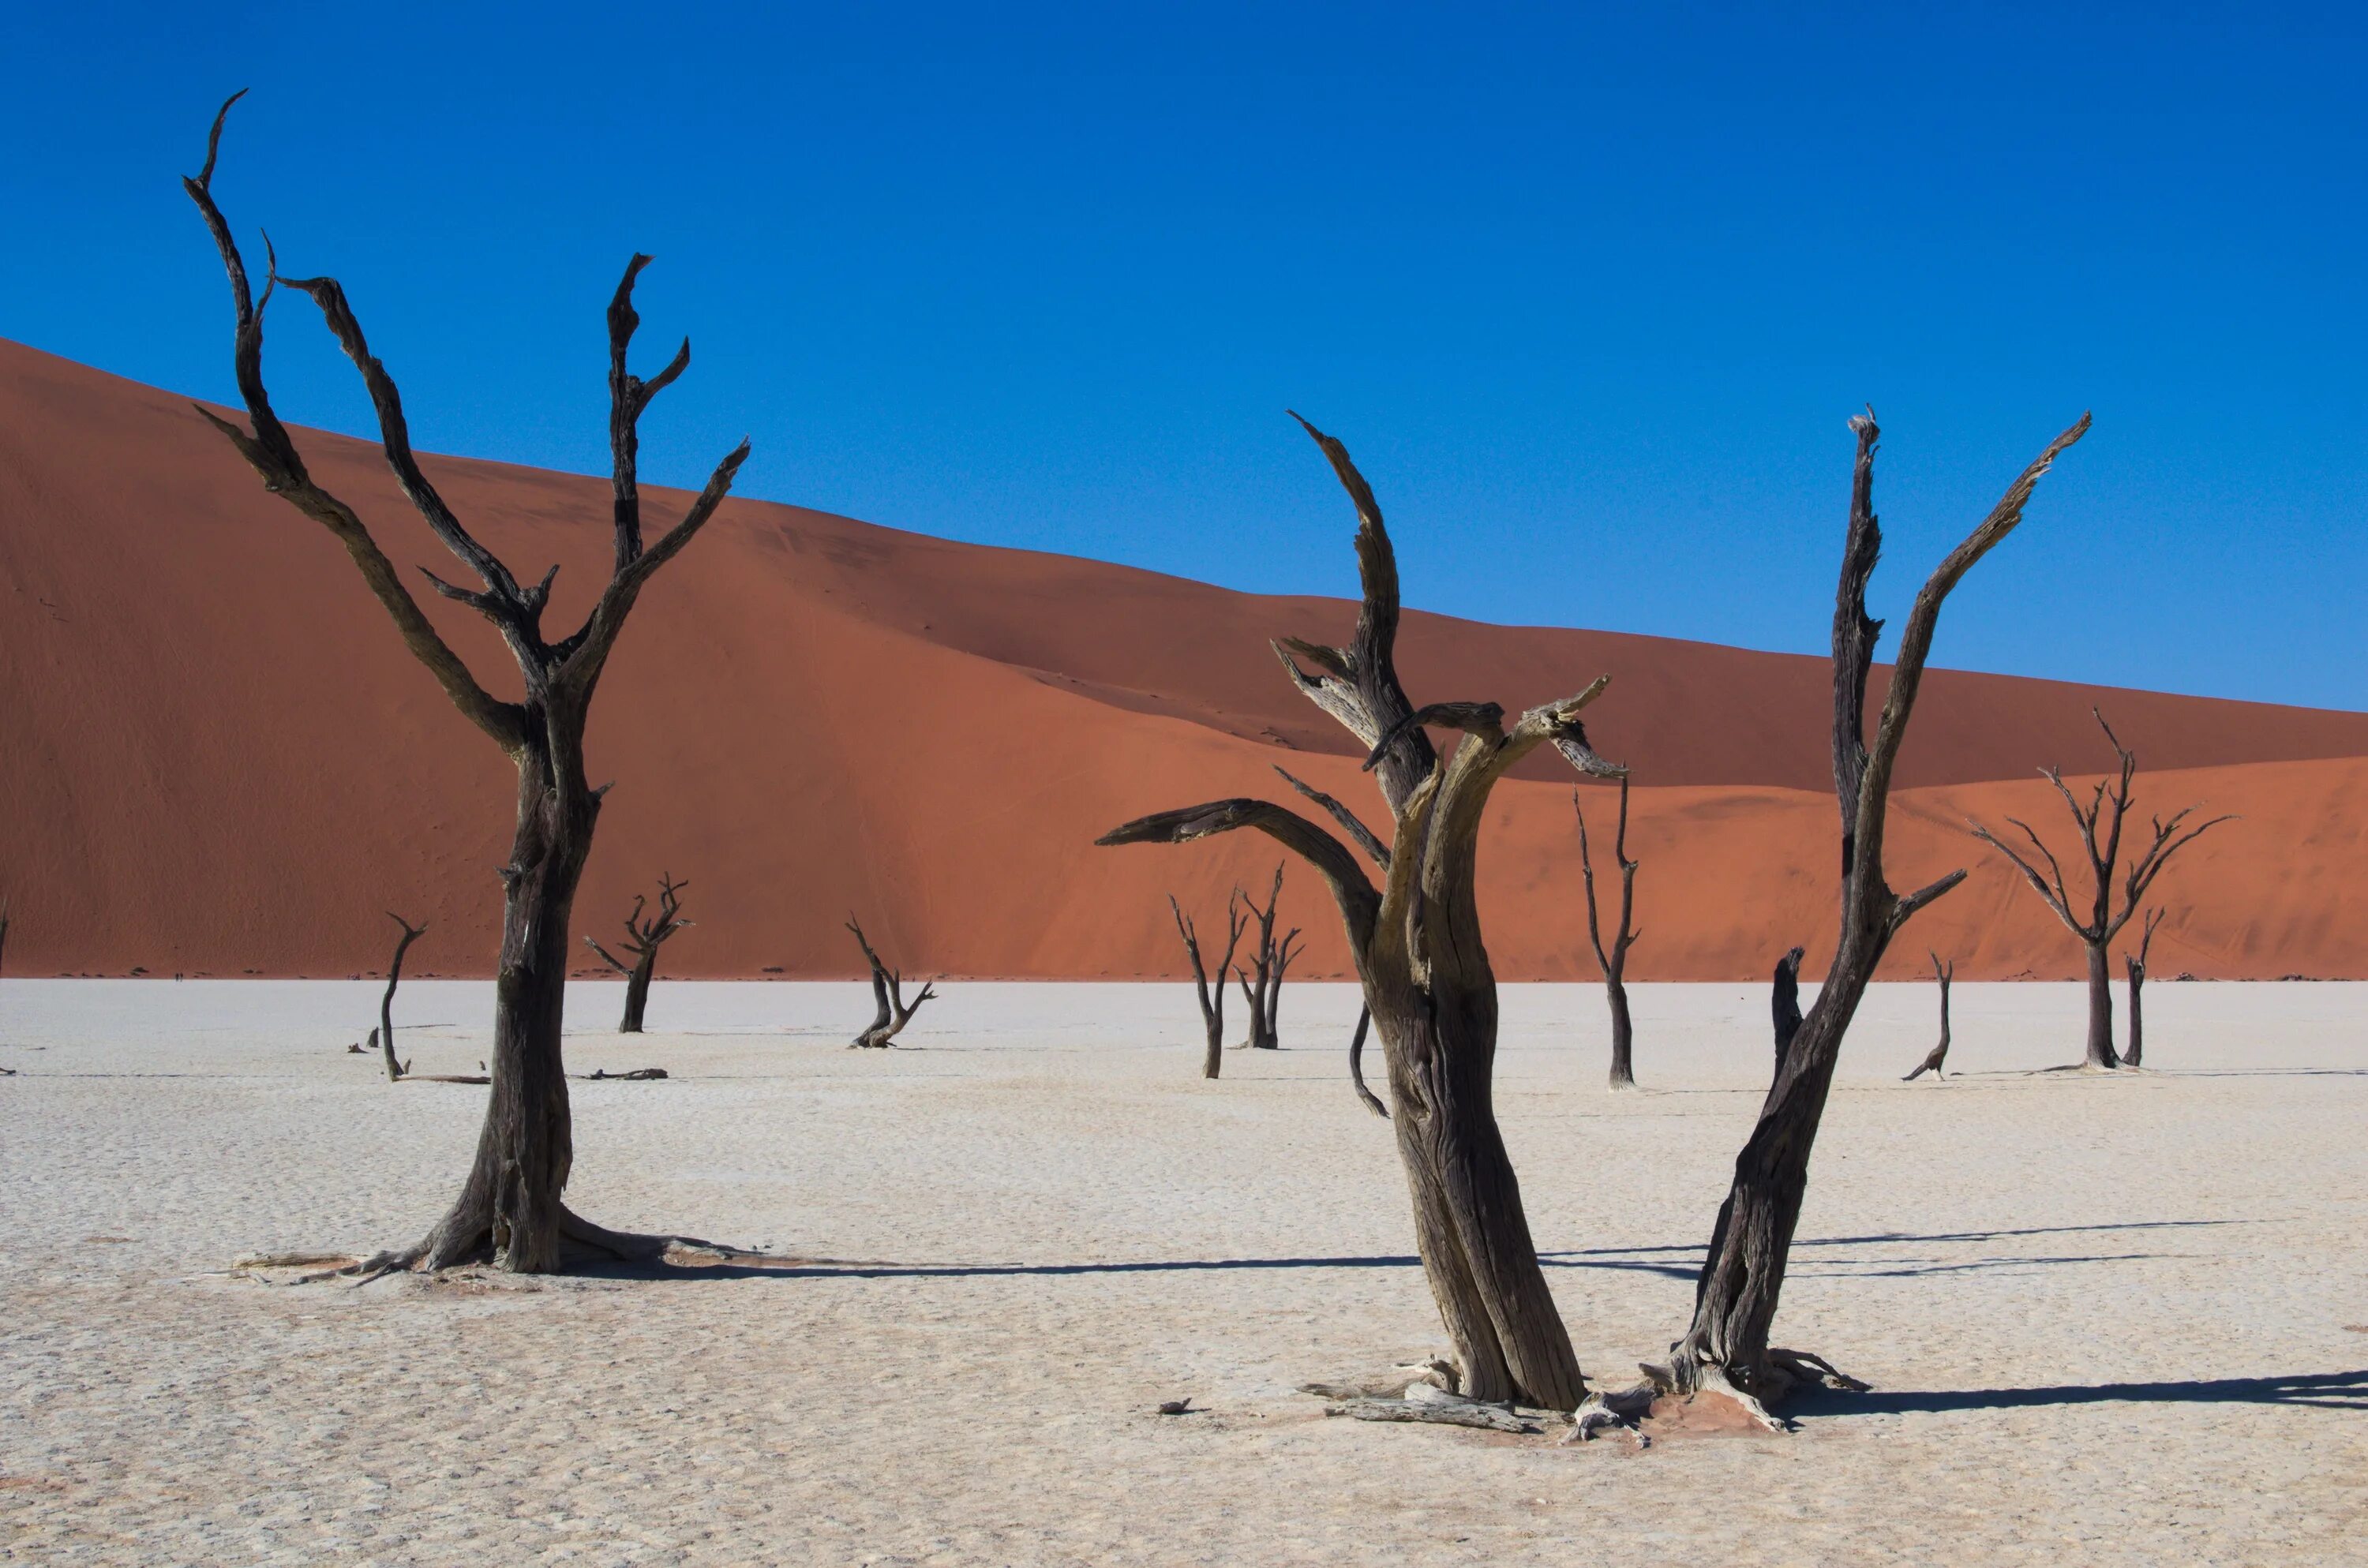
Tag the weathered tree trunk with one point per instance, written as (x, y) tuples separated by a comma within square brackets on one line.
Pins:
[(637, 994), (890, 1011), (1938, 1056), (2100, 1008), (2136, 1055), (395, 1069), (1211, 998), (1785, 1003)]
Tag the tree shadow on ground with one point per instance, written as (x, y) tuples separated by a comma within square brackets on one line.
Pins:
[(2324, 1390)]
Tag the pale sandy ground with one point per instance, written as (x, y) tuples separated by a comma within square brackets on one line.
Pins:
[(2107, 1321)]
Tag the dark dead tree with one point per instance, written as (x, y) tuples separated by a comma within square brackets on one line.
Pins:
[(1613, 960), (1261, 980), (2099, 823), (1726, 1347), (1364, 838), (510, 1207), (1417, 948), (1784, 1004), (890, 1012), (643, 936), (1213, 998), (2136, 1055), (1939, 1054), (385, 1031)]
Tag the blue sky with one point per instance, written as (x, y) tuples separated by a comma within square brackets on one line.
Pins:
[(1588, 291)]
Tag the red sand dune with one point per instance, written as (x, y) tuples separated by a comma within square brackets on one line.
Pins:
[(218, 758)]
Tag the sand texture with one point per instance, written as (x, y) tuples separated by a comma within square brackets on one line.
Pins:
[(2107, 1320), (222, 759)]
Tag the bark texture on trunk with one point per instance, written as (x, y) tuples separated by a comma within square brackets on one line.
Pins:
[(1428, 990), (394, 1069), (1613, 959), (510, 1205), (1742, 1278), (2101, 1053)]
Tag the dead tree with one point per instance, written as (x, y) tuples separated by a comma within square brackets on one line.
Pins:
[(2099, 823), (1261, 982), (1784, 1004), (1379, 853), (2136, 1055), (891, 1012), (1416, 945), (395, 1069), (1213, 998), (510, 1207), (1939, 1054), (1726, 1347), (1614, 959), (643, 936)]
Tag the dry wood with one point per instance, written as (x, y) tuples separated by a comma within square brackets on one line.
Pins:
[(1939, 1053), (643, 936), (1416, 944), (1785, 1003), (2136, 1055), (510, 1207), (1261, 982), (1370, 1101), (1613, 961), (1213, 998), (890, 1012), (1743, 1275), (2099, 823), (384, 1033)]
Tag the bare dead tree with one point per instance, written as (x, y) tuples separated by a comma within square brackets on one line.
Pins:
[(510, 1207), (1939, 1054), (890, 1012), (1613, 960), (2099, 823), (1726, 1347), (1213, 998), (1364, 838), (2136, 1055), (1261, 980), (643, 936), (1427, 984), (395, 1069), (1784, 1004)]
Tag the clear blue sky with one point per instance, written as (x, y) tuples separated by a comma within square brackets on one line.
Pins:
[(1588, 291)]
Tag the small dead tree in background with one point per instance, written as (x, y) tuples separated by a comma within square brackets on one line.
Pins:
[(2136, 1055), (1785, 1003), (2099, 823), (1364, 838), (1213, 998), (384, 1033), (1726, 1347), (511, 1208), (1261, 982), (1614, 959), (1426, 980), (891, 1011), (643, 936), (1939, 1054)]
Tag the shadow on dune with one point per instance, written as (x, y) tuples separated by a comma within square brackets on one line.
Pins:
[(2325, 1390)]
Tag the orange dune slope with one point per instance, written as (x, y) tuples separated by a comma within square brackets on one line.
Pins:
[(220, 760)]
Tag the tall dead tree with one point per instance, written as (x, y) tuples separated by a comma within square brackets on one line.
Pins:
[(1934, 1059), (2099, 823), (1213, 998), (1726, 1347), (890, 1012), (1613, 960), (643, 936), (395, 1069), (1261, 980), (1416, 945), (510, 1207), (2136, 1055), (1364, 838)]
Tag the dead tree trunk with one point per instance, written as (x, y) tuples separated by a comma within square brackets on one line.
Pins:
[(1427, 981), (1263, 979), (1940, 1053), (2136, 1055), (1613, 960), (1213, 998), (1379, 853), (643, 936), (890, 1012), (510, 1207), (2099, 823), (395, 1069), (1784, 1004), (1743, 1276)]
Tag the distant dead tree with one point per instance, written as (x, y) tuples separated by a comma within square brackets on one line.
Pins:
[(1213, 998), (643, 936), (1427, 981), (2136, 1055), (384, 1033), (1613, 960), (1784, 1004), (1726, 1347), (1939, 1054), (890, 1013), (1364, 838), (1261, 980), (510, 1209), (2099, 823)]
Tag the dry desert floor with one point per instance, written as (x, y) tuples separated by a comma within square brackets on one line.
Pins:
[(2106, 1319)]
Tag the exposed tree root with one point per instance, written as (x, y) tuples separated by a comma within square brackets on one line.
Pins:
[(638, 1075), (455, 1245)]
